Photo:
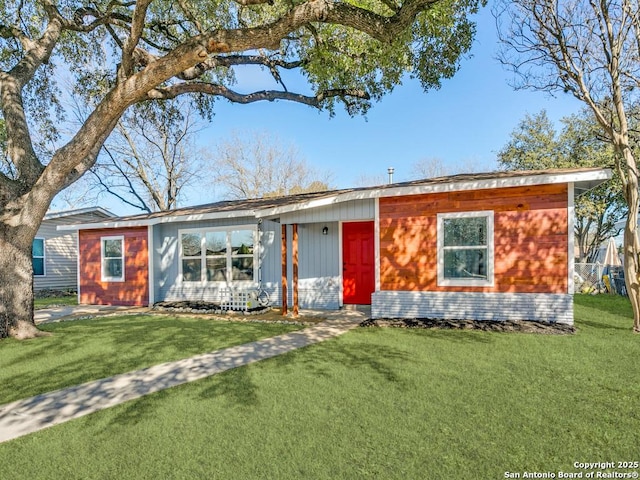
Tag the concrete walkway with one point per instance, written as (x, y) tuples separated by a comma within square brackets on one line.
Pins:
[(55, 314), (36, 413)]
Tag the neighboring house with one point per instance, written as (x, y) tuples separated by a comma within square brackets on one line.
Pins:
[(492, 246), (55, 252)]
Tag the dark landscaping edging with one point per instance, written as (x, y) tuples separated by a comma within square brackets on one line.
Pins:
[(487, 326)]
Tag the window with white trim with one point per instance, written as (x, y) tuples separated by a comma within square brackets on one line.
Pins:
[(465, 249), (112, 258), (218, 255), (38, 257)]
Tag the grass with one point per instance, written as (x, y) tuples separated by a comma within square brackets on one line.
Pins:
[(83, 350), (375, 403), (48, 302)]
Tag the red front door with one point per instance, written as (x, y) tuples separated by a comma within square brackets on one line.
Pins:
[(358, 257)]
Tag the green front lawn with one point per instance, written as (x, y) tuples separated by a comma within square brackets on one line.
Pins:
[(83, 350), (374, 403)]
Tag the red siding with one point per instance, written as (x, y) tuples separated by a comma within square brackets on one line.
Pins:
[(135, 288), (530, 234)]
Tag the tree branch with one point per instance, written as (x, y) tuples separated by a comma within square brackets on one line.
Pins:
[(246, 3), (137, 25), (268, 95), (142, 206)]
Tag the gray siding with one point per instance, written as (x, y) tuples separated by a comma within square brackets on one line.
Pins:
[(270, 260), (319, 269), (319, 284), (168, 285), (545, 307), (61, 252), (351, 210), (318, 266)]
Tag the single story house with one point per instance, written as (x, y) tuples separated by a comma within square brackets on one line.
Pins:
[(486, 246), (55, 252)]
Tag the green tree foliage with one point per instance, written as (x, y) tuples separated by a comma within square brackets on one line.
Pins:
[(536, 145)]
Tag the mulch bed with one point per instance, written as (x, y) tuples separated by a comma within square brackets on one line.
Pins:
[(487, 326), (202, 307), (53, 293)]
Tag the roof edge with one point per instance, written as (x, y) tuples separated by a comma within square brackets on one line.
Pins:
[(590, 177), (78, 211)]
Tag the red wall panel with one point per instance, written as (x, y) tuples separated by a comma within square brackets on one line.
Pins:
[(530, 238), (135, 288)]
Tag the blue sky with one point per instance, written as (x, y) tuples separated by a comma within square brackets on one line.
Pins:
[(464, 123)]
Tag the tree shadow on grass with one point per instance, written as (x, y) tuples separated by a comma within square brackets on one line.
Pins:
[(459, 336), (382, 361), (602, 325), (138, 410), (236, 386)]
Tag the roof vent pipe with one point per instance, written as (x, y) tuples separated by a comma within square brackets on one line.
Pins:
[(390, 171)]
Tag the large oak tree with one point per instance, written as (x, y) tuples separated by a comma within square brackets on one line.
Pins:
[(117, 53)]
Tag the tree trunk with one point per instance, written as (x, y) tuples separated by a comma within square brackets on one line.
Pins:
[(16, 283), (632, 249)]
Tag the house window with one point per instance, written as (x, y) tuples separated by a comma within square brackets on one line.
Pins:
[(217, 255), (112, 259), (37, 257), (216, 252), (191, 257), (465, 249), (241, 255)]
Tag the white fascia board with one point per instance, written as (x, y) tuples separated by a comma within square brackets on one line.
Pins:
[(575, 177), (294, 207), (159, 220), (78, 211)]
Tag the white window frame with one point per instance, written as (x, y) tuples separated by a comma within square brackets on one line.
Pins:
[(466, 282), (103, 276), (43, 256), (228, 256)]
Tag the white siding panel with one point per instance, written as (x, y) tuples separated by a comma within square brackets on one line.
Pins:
[(474, 306)]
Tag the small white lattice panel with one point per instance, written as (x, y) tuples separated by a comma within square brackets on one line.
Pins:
[(240, 300)]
